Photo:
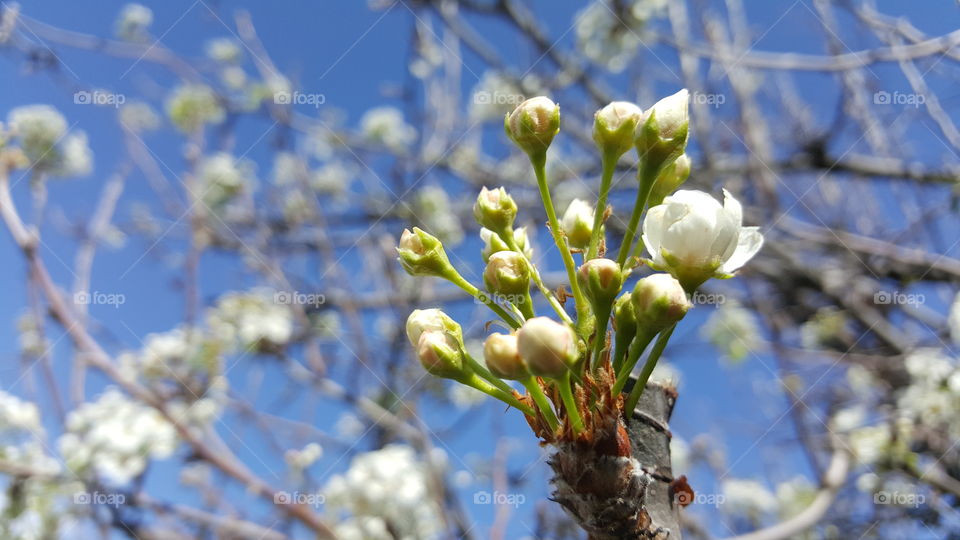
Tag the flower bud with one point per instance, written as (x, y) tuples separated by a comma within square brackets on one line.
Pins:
[(547, 346), (503, 358), (662, 135), (492, 243), (495, 209), (659, 301), (440, 355), (577, 223), (624, 317), (422, 254), (601, 280), (431, 320), (671, 178), (507, 273), (614, 126), (533, 124)]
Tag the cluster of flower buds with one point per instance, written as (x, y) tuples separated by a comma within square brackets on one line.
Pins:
[(689, 238)]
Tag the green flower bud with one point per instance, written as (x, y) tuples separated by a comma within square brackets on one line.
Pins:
[(422, 254), (503, 358), (441, 355), (577, 223), (492, 243), (431, 320), (671, 178), (507, 273), (533, 124), (662, 134), (659, 301), (495, 209), (624, 317), (614, 126), (547, 346), (601, 280)]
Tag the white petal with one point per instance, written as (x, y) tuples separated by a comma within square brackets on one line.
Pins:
[(748, 245), (732, 206), (653, 224)]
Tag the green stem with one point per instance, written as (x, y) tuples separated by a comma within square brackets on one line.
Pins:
[(539, 162), (570, 404), (621, 346), (476, 382), (526, 307), (609, 161), (600, 335), (459, 281), (647, 178), (482, 370), (541, 400), (507, 237), (640, 343), (648, 369)]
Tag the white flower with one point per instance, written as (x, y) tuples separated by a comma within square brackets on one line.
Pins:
[(747, 497), (191, 106), (386, 486), (695, 238), (225, 50), (42, 134), (222, 177), (133, 22), (386, 126)]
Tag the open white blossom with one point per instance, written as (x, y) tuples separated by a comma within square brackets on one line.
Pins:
[(254, 319), (133, 22), (225, 50), (384, 495), (694, 237), (192, 106), (114, 437), (747, 498), (42, 134), (386, 126), (223, 177), (611, 37), (733, 330)]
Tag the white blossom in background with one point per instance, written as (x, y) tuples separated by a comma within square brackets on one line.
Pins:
[(332, 178), (433, 208), (223, 177), (350, 426), (953, 320), (252, 320), (300, 460), (133, 22), (114, 437), (932, 396), (828, 327), (192, 106), (384, 491), (679, 455), (225, 50), (32, 341), (138, 117), (465, 397), (665, 373), (734, 331), (386, 126), (745, 497), (42, 133), (794, 496), (497, 94), (612, 37)]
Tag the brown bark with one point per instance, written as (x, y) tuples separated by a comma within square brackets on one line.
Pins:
[(618, 486)]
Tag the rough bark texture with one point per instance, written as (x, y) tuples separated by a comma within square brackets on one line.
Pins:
[(617, 484)]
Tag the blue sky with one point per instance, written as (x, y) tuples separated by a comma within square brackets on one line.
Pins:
[(354, 56)]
